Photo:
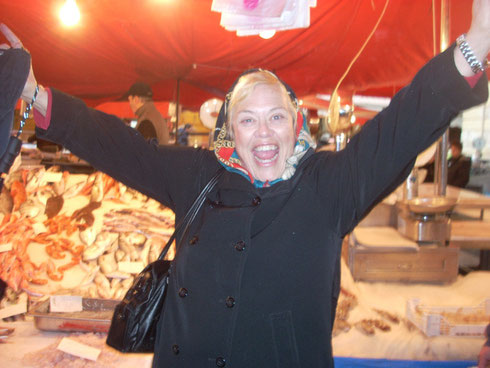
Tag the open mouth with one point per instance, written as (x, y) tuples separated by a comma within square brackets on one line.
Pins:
[(266, 154)]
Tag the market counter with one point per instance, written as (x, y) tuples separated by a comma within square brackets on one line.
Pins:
[(402, 346), (404, 341), (26, 340)]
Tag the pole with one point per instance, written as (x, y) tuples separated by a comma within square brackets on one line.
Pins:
[(177, 108), (440, 166)]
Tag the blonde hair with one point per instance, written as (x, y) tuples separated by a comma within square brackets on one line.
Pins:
[(245, 87)]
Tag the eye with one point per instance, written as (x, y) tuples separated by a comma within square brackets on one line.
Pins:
[(246, 120), (277, 116)]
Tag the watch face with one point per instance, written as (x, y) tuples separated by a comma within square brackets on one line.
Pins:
[(479, 143)]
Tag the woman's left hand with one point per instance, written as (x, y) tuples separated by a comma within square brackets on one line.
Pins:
[(478, 36)]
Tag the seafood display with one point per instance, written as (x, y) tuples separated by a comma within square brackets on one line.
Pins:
[(51, 356), (72, 233), (367, 326)]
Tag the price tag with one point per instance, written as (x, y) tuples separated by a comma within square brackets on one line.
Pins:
[(78, 349), (15, 309), (5, 247), (131, 267), (65, 303)]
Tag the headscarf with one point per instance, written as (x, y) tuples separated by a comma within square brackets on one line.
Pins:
[(224, 148)]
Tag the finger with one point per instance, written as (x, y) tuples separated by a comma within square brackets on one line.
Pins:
[(10, 36)]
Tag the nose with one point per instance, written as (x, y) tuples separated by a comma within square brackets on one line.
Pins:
[(263, 128)]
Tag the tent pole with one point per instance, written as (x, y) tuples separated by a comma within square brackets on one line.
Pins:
[(440, 166), (177, 108)]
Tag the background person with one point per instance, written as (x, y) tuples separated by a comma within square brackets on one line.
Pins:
[(183, 135), (151, 123), (458, 166), (484, 356)]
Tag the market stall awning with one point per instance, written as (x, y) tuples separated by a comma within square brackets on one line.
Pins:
[(162, 42), (123, 110)]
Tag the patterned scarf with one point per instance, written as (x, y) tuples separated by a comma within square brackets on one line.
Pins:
[(224, 148)]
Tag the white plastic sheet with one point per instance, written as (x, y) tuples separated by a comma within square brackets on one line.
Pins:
[(250, 17)]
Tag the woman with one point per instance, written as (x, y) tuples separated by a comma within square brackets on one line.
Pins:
[(256, 281)]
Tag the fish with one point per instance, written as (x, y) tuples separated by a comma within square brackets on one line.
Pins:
[(102, 242), (119, 254), (88, 235), (31, 208), (18, 193), (132, 238), (107, 263), (85, 213), (6, 202), (97, 193), (73, 190), (53, 206), (43, 195), (90, 275), (60, 186), (34, 178), (103, 286)]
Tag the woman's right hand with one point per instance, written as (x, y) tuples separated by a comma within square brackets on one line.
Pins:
[(31, 83)]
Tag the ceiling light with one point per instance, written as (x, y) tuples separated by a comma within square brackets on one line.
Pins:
[(69, 13)]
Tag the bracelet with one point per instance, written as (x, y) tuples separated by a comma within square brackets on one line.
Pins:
[(475, 64), (27, 111)]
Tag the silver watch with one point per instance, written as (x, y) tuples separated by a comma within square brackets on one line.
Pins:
[(475, 64)]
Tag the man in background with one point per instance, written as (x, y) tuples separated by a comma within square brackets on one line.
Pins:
[(183, 135), (458, 166), (151, 123)]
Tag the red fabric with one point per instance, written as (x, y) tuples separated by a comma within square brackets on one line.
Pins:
[(41, 120), (163, 42), (473, 80)]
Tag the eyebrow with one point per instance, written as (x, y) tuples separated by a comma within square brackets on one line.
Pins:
[(252, 112)]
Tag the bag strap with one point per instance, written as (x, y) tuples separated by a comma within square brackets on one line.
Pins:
[(192, 212)]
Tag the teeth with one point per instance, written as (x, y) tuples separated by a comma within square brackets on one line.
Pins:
[(269, 147), (268, 160)]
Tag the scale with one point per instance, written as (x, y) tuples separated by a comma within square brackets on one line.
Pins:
[(424, 219)]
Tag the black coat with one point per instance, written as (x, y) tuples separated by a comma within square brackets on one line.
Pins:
[(255, 283)]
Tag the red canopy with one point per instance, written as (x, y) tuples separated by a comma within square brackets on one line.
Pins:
[(180, 42), (123, 110)]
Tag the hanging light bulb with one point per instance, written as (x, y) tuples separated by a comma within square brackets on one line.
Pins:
[(267, 34), (69, 13)]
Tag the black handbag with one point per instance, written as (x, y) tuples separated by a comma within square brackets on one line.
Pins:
[(134, 322)]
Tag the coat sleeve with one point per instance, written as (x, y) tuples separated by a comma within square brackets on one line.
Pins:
[(169, 174), (381, 155)]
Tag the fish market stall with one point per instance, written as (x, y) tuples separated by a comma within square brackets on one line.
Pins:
[(76, 236), (86, 236)]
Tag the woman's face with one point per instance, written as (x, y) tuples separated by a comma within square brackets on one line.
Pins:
[(263, 130)]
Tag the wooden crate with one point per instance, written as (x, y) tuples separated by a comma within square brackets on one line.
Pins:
[(429, 264)]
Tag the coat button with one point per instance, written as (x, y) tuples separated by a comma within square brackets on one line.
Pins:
[(183, 292), (240, 245), (230, 302), (194, 240), (175, 349), (256, 201), (220, 362)]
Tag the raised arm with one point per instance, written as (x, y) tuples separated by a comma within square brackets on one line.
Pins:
[(478, 37)]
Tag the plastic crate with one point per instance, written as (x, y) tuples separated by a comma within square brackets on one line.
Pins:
[(449, 321)]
